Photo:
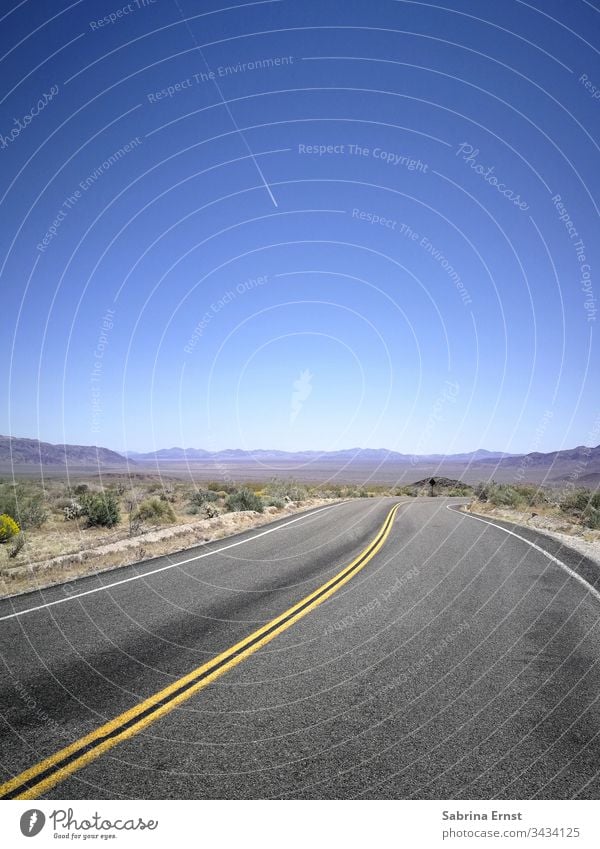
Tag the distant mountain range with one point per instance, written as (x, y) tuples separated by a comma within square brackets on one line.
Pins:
[(580, 464), (17, 451), (366, 455)]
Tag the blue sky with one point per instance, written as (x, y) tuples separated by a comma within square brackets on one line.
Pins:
[(373, 226)]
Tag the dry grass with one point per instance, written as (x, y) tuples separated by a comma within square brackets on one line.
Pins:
[(61, 549)]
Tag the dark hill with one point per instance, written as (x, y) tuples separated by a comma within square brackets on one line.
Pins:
[(18, 451)]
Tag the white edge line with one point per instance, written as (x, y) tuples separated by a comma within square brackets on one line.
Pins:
[(162, 568), (554, 559)]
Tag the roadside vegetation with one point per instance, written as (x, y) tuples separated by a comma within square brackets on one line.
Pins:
[(579, 506), (62, 528), (45, 521)]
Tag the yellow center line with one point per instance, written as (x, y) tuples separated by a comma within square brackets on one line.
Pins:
[(49, 772)]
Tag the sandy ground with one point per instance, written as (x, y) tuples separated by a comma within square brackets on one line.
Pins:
[(582, 539), (154, 543)]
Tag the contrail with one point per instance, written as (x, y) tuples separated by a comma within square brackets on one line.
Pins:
[(226, 104)]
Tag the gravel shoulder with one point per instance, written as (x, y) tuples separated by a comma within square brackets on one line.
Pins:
[(582, 540)]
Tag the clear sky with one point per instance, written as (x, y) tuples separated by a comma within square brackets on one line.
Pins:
[(301, 225)]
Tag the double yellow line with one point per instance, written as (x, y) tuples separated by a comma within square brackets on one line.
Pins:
[(51, 771)]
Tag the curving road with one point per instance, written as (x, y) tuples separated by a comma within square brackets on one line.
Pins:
[(362, 650)]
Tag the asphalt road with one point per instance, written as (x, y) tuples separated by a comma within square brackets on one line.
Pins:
[(455, 660)]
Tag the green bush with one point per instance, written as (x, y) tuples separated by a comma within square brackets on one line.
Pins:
[(8, 505), (575, 501), (32, 513), (275, 502), (244, 499), (8, 528), (201, 499), (482, 491), (458, 491), (203, 496), (504, 495), (101, 508), (286, 490), (23, 504), (532, 495), (591, 518), (154, 510), (500, 494), (168, 495), (227, 487)]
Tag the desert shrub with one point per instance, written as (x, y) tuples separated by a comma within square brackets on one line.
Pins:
[(575, 501), (532, 495), (200, 499), (16, 545), (211, 511), (504, 495), (101, 508), (154, 510), (509, 495), (270, 501), (8, 528), (228, 487), (354, 492), (330, 492), (483, 490), (591, 518), (253, 486), (80, 489), (9, 505), (405, 490), (583, 503), (202, 496), (460, 489), (284, 490), (168, 495), (23, 503), (244, 499), (73, 510), (499, 494), (32, 513)]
